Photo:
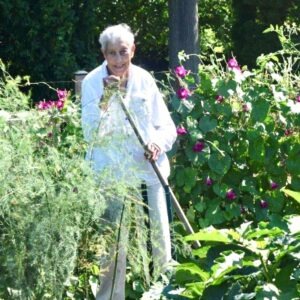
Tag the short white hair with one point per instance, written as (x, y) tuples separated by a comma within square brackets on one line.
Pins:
[(111, 34)]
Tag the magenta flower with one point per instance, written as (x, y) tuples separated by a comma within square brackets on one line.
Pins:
[(199, 146), (273, 185), (233, 64), (230, 194), (208, 181), (183, 93), (181, 72), (59, 104), (263, 204), (219, 98), (181, 130), (41, 105), (62, 94), (298, 98), (44, 105)]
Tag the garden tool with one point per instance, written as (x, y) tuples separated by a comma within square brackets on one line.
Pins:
[(170, 197)]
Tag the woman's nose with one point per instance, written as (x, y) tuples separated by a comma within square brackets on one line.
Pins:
[(118, 57)]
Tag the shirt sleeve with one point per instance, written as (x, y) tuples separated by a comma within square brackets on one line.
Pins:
[(165, 129), (90, 111)]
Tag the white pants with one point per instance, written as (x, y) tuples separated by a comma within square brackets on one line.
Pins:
[(161, 247)]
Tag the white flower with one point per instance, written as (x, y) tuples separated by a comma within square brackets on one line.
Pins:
[(240, 92), (295, 107), (270, 66), (276, 77), (278, 96)]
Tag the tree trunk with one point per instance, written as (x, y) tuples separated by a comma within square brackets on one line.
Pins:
[(184, 32)]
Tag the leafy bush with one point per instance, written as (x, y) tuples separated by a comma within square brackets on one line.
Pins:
[(244, 263), (236, 171), (238, 141), (48, 194)]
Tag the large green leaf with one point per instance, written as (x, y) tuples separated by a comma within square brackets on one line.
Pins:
[(293, 194), (267, 291), (213, 235), (186, 177), (219, 164), (259, 111), (226, 87), (256, 148), (259, 233), (207, 124), (188, 272), (225, 264)]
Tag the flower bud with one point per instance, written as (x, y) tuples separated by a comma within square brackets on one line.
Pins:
[(208, 181), (199, 146), (230, 194), (181, 130), (273, 185), (263, 204)]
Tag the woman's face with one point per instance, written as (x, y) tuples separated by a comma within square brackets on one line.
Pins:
[(118, 56)]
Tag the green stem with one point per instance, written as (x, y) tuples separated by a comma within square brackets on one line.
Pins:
[(265, 269), (218, 149)]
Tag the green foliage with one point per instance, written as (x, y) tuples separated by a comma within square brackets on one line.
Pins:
[(250, 18), (11, 98), (241, 187), (51, 40), (215, 21), (248, 123), (48, 195), (248, 262)]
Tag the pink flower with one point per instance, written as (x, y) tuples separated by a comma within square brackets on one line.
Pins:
[(230, 194), (263, 204), (208, 181), (60, 104), (219, 98), (233, 64), (181, 130), (181, 72), (41, 105), (62, 94), (298, 98), (44, 105), (199, 146), (183, 93)]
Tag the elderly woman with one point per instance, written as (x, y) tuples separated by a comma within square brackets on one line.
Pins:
[(103, 120)]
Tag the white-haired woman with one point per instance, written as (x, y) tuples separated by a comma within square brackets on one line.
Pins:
[(124, 155)]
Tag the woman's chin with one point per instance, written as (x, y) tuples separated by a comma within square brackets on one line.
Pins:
[(120, 73)]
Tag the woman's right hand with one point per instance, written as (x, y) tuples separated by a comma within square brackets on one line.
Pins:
[(111, 80)]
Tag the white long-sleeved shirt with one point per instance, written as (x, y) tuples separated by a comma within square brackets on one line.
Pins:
[(113, 143)]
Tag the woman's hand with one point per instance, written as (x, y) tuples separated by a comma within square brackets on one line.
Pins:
[(115, 82), (111, 81), (152, 152)]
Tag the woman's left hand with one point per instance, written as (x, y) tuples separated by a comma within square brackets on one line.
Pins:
[(152, 152)]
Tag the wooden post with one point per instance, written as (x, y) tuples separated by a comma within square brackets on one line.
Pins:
[(183, 33), (78, 77)]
